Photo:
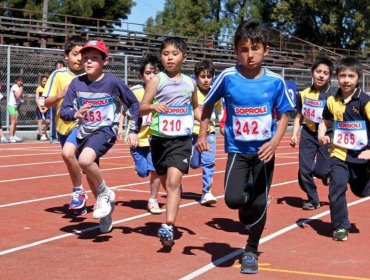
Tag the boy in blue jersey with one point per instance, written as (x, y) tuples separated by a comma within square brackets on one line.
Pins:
[(350, 144), (251, 93), (98, 95)]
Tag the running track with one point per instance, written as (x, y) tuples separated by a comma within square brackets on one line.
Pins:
[(41, 240)]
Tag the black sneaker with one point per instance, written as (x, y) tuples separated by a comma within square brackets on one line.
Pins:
[(310, 206), (340, 234), (326, 181), (249, 263)]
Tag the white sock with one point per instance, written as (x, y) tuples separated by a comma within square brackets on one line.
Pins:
[(102, 188)]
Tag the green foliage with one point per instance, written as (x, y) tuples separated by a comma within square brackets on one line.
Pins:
[(113, 10)]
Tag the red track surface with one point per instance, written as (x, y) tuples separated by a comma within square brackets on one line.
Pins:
[(39, 240)]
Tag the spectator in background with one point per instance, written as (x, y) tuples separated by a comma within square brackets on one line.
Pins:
[(14, 103), (53, 133), (42, 112)]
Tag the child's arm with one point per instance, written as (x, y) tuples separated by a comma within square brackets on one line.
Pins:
[(321, 134), (194, 103), (202, 143), (120, 125), (146, 105), (67, 110), (296, 126), (267, 150), (18, 94)]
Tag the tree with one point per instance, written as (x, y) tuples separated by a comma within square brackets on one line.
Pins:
[(112, 10), (334, 23)]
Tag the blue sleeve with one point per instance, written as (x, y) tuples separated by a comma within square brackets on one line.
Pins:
[(67, 109), (284, 101), (216, 92), (131, 102)]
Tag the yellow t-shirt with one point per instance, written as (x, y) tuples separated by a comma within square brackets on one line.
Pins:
[(58, 82), (40, 90), (218, 107), (144, 132)]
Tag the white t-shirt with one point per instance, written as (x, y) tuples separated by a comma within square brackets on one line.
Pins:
[(12, 100)]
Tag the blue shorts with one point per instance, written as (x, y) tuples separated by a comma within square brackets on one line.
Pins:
[(39, 114), (70, 138), (143, 161), (100, 141)]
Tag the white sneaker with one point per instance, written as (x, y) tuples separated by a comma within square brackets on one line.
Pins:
[(17, 138), (103, 206), (106, 223), (208, 199), (43, 137), (4, 140), (12, 140), (153, 207)]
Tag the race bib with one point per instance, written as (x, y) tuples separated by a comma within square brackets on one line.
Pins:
[(350, 135), (101, 112), (252, 123), (178, 121), (312, 109)]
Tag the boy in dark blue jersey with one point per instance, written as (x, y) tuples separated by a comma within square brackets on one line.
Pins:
[(251, 93), (350, 144), (98, 97)]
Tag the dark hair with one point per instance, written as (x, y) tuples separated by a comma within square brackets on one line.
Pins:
[(351, 63), (323, 60), (152, 60), (175, 41), (18, 78), (59, 62), (204, 65), (253, 30), (42, 77), (72, 42)]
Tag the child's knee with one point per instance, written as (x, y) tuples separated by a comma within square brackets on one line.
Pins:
[(84, 162)]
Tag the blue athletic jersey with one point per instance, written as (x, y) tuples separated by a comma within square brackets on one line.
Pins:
[(250, 104)]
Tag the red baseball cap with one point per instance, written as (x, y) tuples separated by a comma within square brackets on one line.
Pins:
[(97, 45)]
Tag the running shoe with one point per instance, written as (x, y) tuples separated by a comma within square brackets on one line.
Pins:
[(106, 223), (340, 234), (310, 206), (208, 199), (249, 263), (153, 207), (165, 234), (103, 205), (80, 212), (78, 200), (4, 140)]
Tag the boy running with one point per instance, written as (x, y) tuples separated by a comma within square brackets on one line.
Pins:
[(350, 145), (98, 96), (171, 96), (251, 92)]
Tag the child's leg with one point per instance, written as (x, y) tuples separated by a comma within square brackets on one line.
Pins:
[(140, 159), (87, 163), (155, 183), (69, 157), (208, 164), (39, 126), (307, 153), (359, 180), (322, 168), (236, 178), (13, 124), (46, 126), (337, 194), (173, 182), (195, 160)]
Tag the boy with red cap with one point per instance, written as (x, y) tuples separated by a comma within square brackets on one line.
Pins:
[(97, 96)]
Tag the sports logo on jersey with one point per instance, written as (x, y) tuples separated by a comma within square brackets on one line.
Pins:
[(317, 103), (350, 125), (265, 95), (98, 102), (250, 111), (178, 110)]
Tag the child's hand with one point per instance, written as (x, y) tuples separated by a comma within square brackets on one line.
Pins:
[(80, 114), (324, 140), (202, 144), (293, 141), (160, 107), (133, 140), (266, 151), (364, 155)]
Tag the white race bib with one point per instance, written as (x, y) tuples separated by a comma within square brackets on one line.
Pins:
[(312, 109), (101, 112), (252, 123), (178, 121), (350, 135)]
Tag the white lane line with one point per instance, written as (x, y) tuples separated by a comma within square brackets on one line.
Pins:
[(265, 239), (114, 187), (40, 242)]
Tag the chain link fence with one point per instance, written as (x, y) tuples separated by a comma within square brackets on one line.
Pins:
[(31, 63)]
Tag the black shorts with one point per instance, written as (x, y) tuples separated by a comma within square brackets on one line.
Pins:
[(171, 152)]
